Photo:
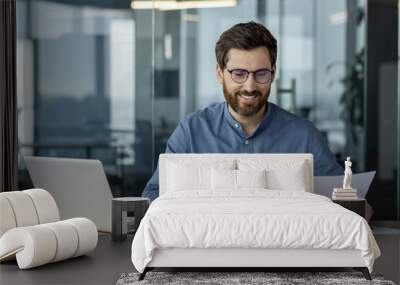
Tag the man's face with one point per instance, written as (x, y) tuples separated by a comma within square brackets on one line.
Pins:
[(249, 97)]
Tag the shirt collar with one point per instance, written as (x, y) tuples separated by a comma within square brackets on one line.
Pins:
[(228, 116), (264, 122)]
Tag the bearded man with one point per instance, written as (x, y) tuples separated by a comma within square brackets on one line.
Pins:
[(247, 123)]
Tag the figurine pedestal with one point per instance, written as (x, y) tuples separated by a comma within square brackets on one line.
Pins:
[(344, 194), (338, 190)]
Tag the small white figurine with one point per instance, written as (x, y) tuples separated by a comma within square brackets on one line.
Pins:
[(347, 174)]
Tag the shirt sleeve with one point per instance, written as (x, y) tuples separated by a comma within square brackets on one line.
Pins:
[(175, 144), (324, 160)]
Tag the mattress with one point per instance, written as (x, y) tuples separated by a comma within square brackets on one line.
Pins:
[(250, 219)]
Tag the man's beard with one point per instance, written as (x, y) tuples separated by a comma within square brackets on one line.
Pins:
[(247, 110)]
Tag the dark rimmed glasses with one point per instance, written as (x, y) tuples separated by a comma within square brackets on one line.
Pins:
[(261, 76)]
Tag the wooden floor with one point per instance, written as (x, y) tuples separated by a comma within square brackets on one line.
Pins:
[(111, 259)]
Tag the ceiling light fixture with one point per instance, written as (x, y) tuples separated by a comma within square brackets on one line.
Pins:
[(181, 5), (338, 18)]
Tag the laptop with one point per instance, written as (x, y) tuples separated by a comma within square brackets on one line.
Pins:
[(79, 187), (324, 185)]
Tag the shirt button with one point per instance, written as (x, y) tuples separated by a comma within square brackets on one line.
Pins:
[(246, 142), (237, 125)]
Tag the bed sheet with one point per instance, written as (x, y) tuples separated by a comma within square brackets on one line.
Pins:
[(250, 218)]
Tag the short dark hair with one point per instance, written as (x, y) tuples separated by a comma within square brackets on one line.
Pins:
[(245, 36)]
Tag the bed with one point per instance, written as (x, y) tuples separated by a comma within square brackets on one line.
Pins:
[(247, 210)]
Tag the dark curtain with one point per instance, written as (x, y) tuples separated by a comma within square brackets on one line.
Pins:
[(8, 97)]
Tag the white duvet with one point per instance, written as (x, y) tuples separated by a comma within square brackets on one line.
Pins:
[(252, 218)]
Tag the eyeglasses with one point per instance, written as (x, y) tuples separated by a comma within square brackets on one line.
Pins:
[(261, 76)]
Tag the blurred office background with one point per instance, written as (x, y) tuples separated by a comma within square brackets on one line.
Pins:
[(111, 79)]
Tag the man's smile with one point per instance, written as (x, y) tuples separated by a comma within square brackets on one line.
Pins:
[(249, 97)]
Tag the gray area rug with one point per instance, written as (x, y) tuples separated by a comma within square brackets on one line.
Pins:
[(229, 278)]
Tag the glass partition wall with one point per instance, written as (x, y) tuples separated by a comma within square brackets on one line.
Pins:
[(398, 113), (111, 80), (85, 86)]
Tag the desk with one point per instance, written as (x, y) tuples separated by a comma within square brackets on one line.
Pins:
[(104, 265), (88, 147)]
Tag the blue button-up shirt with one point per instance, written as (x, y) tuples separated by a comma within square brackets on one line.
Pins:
[(214, 130)]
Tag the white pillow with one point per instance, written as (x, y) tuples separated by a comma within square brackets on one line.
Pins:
[(183, 176), (290, 175), (293, 180), (223, 179), (237, 179), (251, 178)]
